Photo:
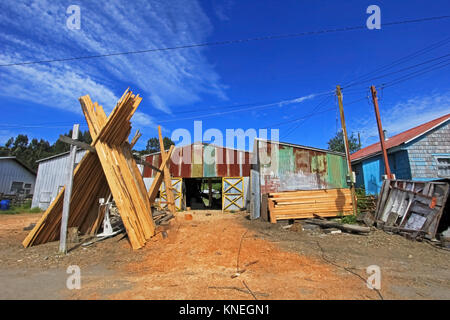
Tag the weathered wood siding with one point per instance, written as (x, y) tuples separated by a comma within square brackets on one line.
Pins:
[(423, 151)]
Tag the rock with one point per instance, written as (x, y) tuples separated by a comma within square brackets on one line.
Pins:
[(308, 226), (332, 231)]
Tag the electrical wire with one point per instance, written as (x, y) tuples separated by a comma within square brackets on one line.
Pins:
[(401, 60), (226, 42), (404, 69)]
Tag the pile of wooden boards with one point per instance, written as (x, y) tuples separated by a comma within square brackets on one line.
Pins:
[(411, 208), (110, 168), (308, 203)]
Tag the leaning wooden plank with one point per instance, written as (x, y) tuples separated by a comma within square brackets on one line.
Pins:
[(153, 191), (167, 177)]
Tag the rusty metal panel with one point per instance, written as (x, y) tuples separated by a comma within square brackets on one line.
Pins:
[(288, 168), (203, 160), (209, 161), (197, 161), (337, 171)]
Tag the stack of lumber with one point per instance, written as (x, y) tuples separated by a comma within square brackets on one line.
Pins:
[(309, 203), (111, 168)]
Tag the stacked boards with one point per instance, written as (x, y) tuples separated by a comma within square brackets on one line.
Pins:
[(308, 203), (111, 168)]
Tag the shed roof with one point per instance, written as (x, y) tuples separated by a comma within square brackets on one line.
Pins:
[(57, 155), (403, 137), (20, 162), (302, 147)]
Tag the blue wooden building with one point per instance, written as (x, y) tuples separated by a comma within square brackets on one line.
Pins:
[(420, 153)]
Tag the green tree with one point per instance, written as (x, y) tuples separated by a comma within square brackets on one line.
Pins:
[(337, 143), (153, 144)]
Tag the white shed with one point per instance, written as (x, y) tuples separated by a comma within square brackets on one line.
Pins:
[(15, 176), (51, 178)]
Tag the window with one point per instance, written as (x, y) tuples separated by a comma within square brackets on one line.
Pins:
[(443, 166), (16, 187), (27, 188)]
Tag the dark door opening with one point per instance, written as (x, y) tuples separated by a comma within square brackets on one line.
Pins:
[(203, 193)]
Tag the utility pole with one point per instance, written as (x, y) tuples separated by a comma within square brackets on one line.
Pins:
[(359, 140), (68, 192), (347, 149), (387, 169)]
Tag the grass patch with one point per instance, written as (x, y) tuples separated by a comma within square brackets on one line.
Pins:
[(25, 208), (348, 219)]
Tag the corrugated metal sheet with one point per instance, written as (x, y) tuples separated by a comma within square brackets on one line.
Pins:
[(203, 160), (285, 167), (51, 177), (11, 170)]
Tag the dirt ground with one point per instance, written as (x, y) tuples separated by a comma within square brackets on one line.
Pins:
[(199, 259)]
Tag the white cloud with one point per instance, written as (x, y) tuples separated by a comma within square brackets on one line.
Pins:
[(405, 115), (36, 30)]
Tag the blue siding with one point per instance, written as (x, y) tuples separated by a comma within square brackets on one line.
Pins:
[(399, 164), (373, 169)]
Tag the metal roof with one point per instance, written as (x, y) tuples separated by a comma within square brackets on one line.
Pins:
[(403, 137), (57, 155), (18, 161), (301, 146)]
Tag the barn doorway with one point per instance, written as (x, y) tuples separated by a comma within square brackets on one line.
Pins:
[(203, 193)]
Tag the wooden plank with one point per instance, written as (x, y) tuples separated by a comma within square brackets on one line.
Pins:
[(68, 191), (167, 177), (153, 191), (264, 207)]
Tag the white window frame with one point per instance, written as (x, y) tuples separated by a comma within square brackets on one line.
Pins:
[(440, 166)]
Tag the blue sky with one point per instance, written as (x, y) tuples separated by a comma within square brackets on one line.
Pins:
[(180, 86)]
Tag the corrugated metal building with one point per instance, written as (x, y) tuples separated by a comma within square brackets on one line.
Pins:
[(421, 153), (51, 178), (283, 166), (193, 163), (15, 176)]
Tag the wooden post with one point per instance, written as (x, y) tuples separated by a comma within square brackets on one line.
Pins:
[(210, 192), (346, 146), (167, 178), (387, 169), (68, 192)]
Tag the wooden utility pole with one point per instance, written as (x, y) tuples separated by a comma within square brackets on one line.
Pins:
[(68, 192), (387, 169), (167, 178), (347, 148)]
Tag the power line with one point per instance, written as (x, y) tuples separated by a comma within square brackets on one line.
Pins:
[(316, 113), (317, 107), (226, 42), (413, 75), (401, 60), (404, 69)]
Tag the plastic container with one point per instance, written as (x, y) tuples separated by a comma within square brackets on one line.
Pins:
[(4, 204)]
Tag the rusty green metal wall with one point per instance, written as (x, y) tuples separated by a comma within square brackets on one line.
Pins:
[(295, 168)]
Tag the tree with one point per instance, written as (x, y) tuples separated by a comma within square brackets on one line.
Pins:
[(337, 143), (31, 151), (153, 144)]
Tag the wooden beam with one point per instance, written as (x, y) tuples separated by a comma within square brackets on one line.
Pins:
[(167, 177), (153, 191), (135, 139), (74, 142), (146, 164), (68, 192)]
